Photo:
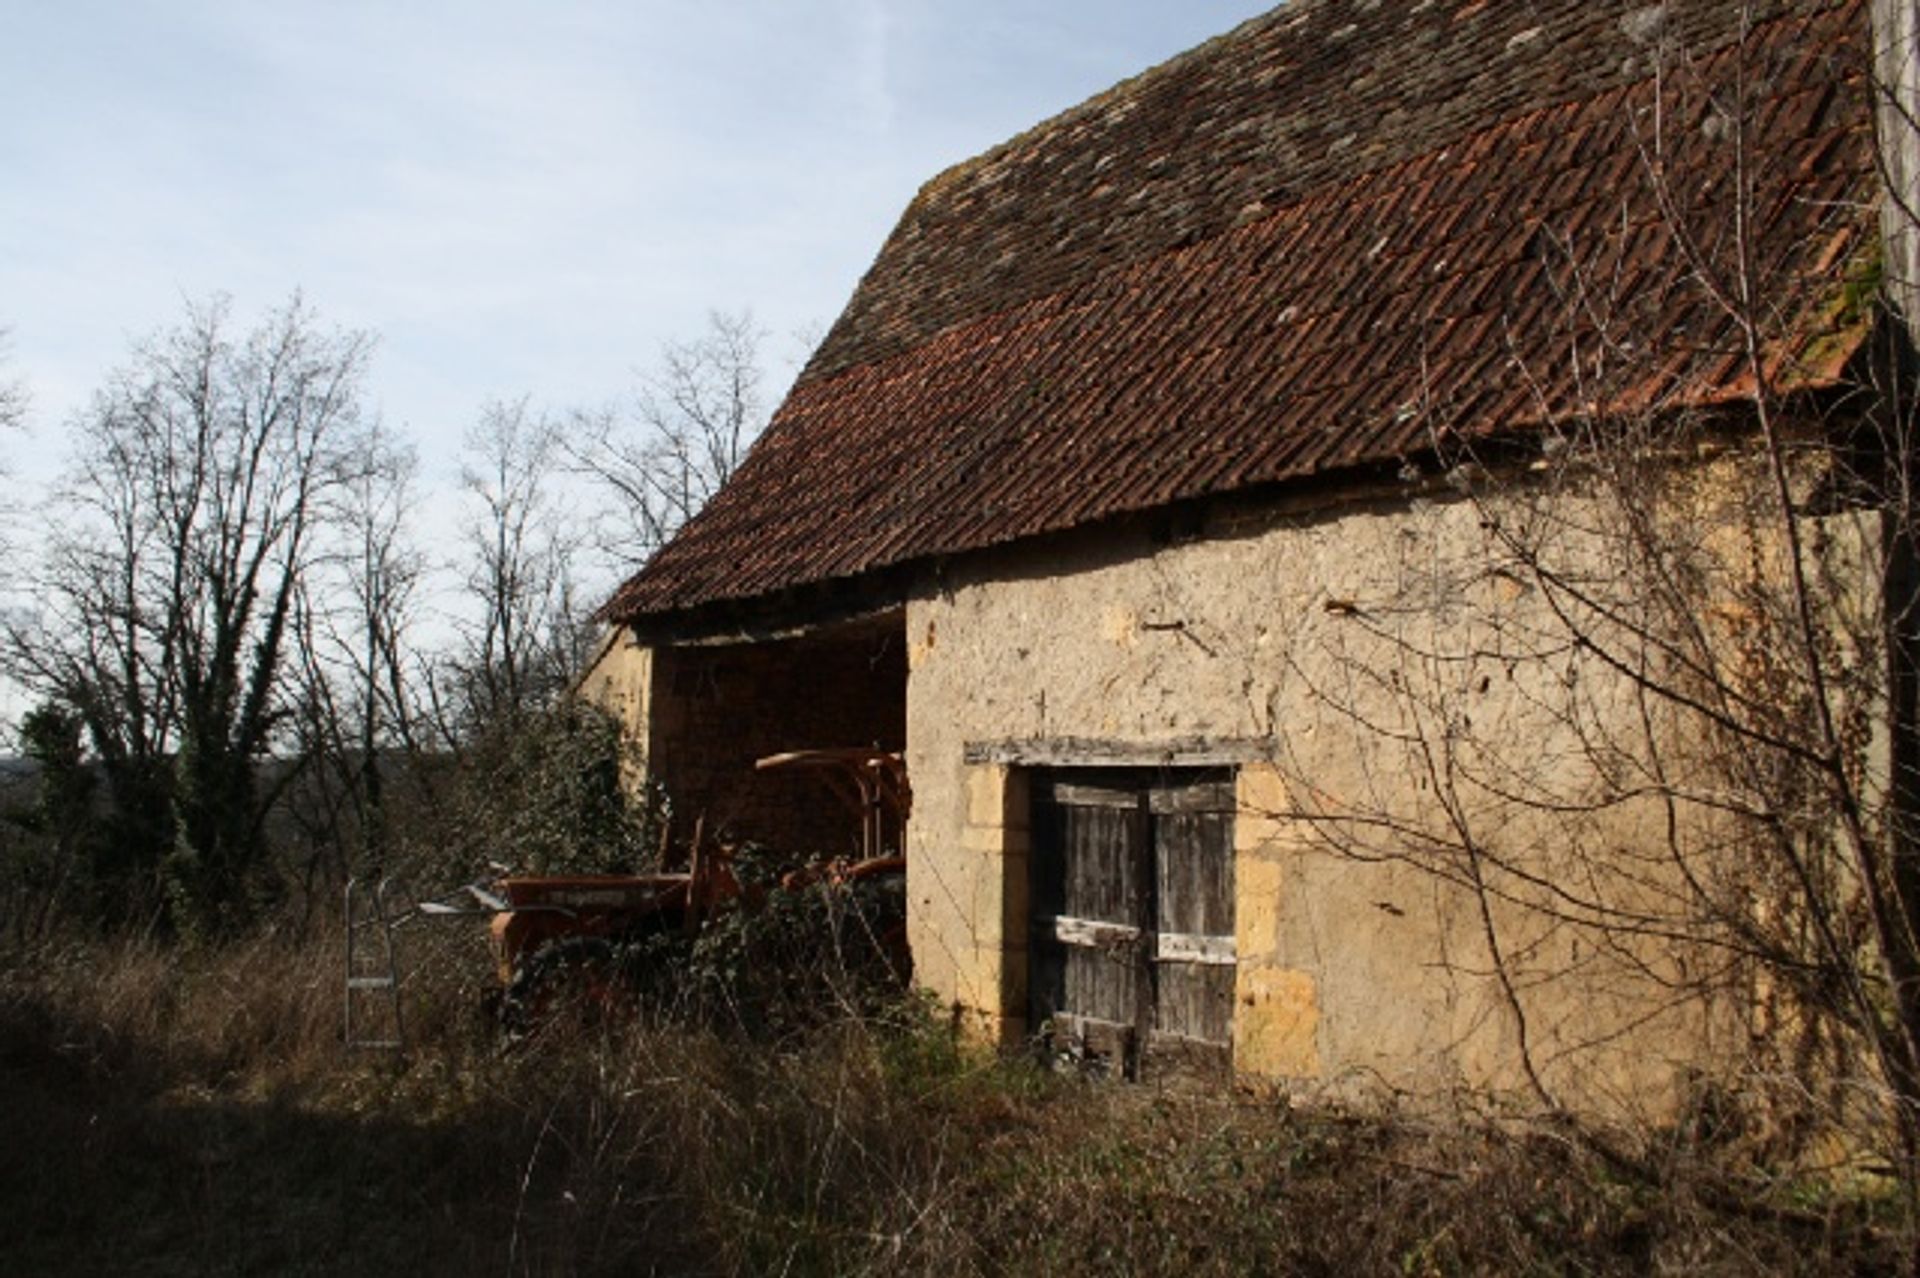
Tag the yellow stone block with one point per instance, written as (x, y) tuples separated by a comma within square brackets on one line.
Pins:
[(988, 840), (1276, 1023), (975, 981), (987, 794), (1260, 795), (1256, 924), (957, 900)]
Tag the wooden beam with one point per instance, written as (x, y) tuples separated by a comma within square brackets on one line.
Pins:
[(1090, 933), (1177, 752), (1193, 947)]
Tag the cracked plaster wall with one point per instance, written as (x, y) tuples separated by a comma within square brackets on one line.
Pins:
[(1358, 974)]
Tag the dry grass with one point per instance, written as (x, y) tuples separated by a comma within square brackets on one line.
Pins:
[(195, 1114)]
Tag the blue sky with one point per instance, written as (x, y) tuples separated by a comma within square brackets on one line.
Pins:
[(518, 198)]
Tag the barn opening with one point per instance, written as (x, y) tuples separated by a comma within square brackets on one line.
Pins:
[(719, 707), (1130, 888)]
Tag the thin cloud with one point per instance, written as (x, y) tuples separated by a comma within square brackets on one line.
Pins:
[(519, 200)]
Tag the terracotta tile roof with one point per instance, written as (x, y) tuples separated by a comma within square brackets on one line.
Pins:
[(1325, 240)]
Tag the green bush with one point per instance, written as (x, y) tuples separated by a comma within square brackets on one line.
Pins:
[(542, 792)]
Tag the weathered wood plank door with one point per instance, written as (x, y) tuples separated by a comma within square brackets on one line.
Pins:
[(1193, 945), (1131, 889)]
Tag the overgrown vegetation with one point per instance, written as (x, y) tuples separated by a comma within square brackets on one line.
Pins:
[(543, 790), (197, 1116)]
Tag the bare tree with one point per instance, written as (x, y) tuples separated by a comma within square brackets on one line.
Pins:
[(358, 701), (521, 633), (180, 537), (693, 419)]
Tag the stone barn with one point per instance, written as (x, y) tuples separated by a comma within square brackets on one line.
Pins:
[(1147, 496)]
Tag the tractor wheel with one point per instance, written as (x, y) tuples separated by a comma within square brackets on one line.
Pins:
[(574, 982)]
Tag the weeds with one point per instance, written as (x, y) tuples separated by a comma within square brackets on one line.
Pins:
[(170, 1114)]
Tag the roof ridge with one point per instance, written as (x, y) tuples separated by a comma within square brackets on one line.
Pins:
[(976, 220)]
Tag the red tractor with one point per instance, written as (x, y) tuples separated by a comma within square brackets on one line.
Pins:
[(575, 936)]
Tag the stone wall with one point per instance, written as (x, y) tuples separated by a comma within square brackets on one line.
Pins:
[(620, 680), (1363, 659)]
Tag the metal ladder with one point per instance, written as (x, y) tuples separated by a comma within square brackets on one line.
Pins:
[(371, 975)]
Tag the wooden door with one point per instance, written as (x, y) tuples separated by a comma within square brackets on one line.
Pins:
[(1193, 941), (1131, 889)]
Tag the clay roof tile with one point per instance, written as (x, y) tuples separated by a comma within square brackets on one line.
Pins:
[(1243, 267)]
